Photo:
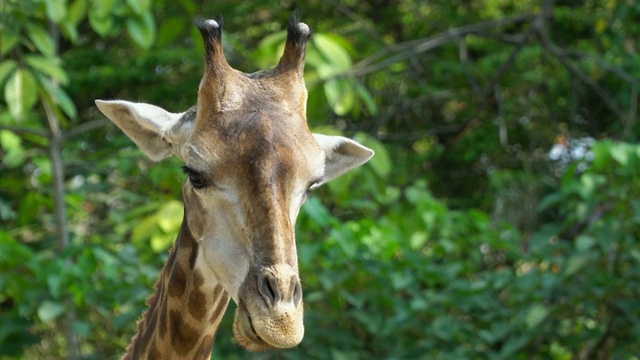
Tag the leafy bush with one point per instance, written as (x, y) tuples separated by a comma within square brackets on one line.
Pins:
[(421, 280)]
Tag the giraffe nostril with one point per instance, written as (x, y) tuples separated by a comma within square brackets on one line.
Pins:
[(297, 292), (268, 289)]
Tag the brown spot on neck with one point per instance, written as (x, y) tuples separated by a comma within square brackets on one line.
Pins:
[(184, 312)]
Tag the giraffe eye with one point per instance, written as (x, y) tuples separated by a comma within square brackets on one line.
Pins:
[(314, 184), (197, 180)]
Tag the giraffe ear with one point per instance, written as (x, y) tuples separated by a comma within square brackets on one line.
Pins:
[(149, 126), (341, 155)]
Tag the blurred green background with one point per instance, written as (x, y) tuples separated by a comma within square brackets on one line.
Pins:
[(499, 219)]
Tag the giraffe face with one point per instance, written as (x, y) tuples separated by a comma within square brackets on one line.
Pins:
[(247, 182), (250, 160)]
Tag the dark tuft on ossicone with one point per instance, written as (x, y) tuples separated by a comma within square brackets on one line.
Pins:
[(209, 28), (211, 31), (298, 32)]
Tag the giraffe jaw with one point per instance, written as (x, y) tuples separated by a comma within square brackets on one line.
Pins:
[(260, 333)]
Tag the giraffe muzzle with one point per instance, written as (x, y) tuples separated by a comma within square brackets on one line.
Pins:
[(269, 313)]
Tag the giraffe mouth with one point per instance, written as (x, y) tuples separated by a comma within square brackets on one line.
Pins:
[(256, 332), (246, 333)]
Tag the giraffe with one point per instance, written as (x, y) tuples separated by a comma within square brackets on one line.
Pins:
[(250, 161)]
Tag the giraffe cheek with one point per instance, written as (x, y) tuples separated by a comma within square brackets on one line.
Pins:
[(194, 217)]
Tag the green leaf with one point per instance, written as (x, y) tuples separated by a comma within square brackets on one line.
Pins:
[(41, 39), (12, 145), (139, 6), (576, 263), (54, 282), (620, 153), (317, 212), (145, 229), (367, 98), (56, 10), (101, 8), (76, 12), (69, 31), (101, 25), (161, 242), (169, 30), (340, 94), (7, 41), (6, 68), (59, 97), (584, 242), (270, 49), (142, 30), (535, 315), (601, 157), (381, 161), (48, 66), (50, 310), (170, 216), (332, 51), (20, 93)]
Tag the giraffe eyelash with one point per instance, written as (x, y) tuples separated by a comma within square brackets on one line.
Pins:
[(196, 178)]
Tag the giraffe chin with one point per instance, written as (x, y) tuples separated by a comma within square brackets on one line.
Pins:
[(260, 334)]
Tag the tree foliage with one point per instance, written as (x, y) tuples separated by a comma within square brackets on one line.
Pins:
[(498, 219)]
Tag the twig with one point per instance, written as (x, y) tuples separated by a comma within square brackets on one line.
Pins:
[(94, 124), (633, 112), (410, 48), (563, 57), (25, 130), (605, 65)]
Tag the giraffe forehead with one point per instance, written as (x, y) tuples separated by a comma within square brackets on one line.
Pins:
[(254, 144)]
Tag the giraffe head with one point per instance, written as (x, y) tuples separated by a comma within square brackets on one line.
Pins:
[(250, 160)]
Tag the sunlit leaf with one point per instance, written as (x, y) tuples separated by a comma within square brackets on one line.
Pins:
[(144, 229), (620, 153), (535, 315), (20, 93), (161, 242), (56, 10), (101, 8), (575, 263), (69, 31), (333, 52), (50, 310), (76, 12), (142, 29), (48, 66), (270, 50), (41, 39), (340, 94), (584, 242), (59, 97), (381, 161), (101, 25), (12, 145), (6, 69), (7, 41), (170, 216), (317, 212), (367, 98), (54, 282), (139, 6)]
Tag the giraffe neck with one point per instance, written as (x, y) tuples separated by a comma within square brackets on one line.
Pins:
[(184, 312)]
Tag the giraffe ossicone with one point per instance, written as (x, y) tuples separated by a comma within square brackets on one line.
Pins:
[(250, 159)]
